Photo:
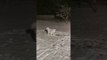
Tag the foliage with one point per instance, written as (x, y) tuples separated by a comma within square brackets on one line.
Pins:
[(50, 6), (64, 13), (63, 10)]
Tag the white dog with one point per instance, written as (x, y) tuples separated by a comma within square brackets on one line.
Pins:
[(51, 32)]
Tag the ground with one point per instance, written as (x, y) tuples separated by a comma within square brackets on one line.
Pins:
[(53, 47), (15, 44), (89, 33)]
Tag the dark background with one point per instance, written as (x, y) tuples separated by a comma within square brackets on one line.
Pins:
[(89, 26), (15, 18), (86, 22)]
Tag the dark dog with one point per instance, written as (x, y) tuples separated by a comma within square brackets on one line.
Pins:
[(32, 33)]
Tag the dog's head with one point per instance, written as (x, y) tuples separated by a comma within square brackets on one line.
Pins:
[(47, 28)]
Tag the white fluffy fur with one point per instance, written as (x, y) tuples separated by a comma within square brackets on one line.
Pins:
[(50, 31)]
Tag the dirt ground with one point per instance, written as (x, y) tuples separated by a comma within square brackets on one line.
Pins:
[(89, 32)]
